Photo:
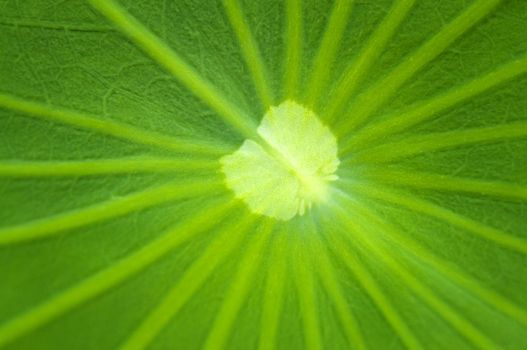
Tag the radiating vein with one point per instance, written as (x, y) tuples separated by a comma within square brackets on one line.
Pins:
[(448, 183), (187, 75), (305, 286), (238, 291), (250, 50), (293, 44), (273, 295), (114, 274), (111, 208), (197, 274), (457, 321), (429, 108), (55, 25), (327, 50), (413, 145), (359, 67), (328, 275), (109, 127), (445, 267), (371, 287), (380, 92), (16, 168), (428, 208)]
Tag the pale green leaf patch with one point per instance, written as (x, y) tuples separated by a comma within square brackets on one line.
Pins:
[(290, 172)]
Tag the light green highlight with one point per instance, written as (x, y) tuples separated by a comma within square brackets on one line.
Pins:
[(290, 170)]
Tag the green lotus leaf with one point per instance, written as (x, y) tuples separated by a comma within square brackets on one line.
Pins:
[(263, 174)]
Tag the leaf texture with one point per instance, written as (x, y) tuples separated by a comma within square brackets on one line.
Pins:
[(118, 229)]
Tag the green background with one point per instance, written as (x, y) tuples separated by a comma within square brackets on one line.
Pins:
[(315, 272)]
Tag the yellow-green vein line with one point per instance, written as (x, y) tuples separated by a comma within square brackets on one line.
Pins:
[(362, 64), (458, 322), (274, 295), (47, 24), (425, 110), (59, 223), (111, 276), (305, 286), (425, 207), (293, 45), (327, 50), (372, 288), (237, 294), (409, 146), (109, 127), (381, 91), (446, 183), (328, 276), (187, 75), (227, 241), (250, 50), (445, 267), (15, 168)]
